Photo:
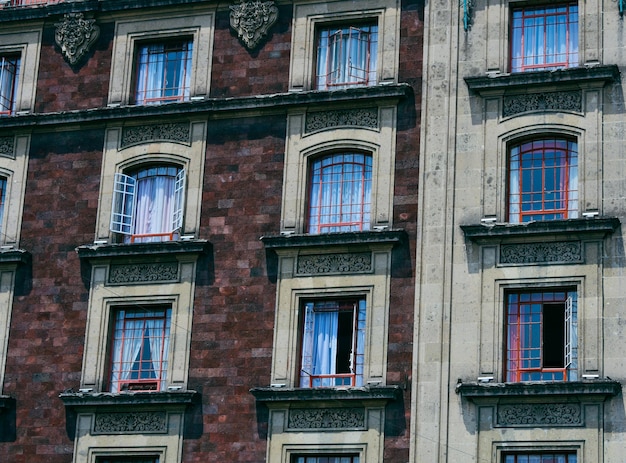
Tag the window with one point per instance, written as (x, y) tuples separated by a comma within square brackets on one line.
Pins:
[(544, 37), (9, 73), (128, 459), (346, 56), (3, 192), (139, 349), (541, 335), (148, 205), (540, 457), (333, 339), (543, 180), (163, 72), (340, 193), (326, 459)]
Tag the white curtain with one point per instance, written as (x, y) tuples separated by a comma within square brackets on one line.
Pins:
[(150, 72), (159, 346), (126, 347), (8, 82), (155, 203), (325, 347)]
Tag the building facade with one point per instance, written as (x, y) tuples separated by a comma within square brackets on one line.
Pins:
[(519, 339), (208, 216)]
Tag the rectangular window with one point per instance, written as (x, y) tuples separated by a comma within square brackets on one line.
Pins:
[(544, 37), (148, 204), (541, 335), (543, 180), (346, 56), (163, 72), (3, 192), (539, 457), (9, 76), (139, 349), (326, 459), (128, 459), (333, 339), (340, 193)]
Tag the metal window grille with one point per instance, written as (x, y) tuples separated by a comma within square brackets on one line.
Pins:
[(543, 180), (163, 72), (9, 72), (346, 56), (139, 349), (541, 343), (544, 37), (340, 193), (540, 457)]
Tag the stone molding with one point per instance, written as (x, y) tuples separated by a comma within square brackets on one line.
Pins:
[(121, 274), (7, 146), (252, 20), (550, 101), (326, 418), (360, 117), (358, 262), (130, 422), (536, 253), (177, 132), (540, 414), (75, 35)]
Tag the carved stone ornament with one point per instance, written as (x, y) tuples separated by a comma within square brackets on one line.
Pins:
[(363, 117), (536, 253), (357, 262), (133, 422), (252, 19), (543, 414), (7, 145), (75, 35), (549, 101), (143, 273), (326, 418), (178, 132)]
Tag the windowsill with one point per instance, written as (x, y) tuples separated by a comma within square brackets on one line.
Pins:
[(14, 256), (92, 400), (539, 80), (394, 237), (142, 250), (600, 389), (282, 395), (591, 228)]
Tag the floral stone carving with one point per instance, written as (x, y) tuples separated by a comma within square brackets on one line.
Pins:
[(252, 19), (75, 35)]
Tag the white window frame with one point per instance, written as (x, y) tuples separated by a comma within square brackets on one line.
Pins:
[(311, 15), (13, 167), (150, 27)]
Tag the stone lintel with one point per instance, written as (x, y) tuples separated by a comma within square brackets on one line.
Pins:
[(93, 400), (142, 251), (320, 395), (14, 256), (393, 237)]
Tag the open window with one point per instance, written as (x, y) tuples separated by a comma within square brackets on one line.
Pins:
[(139, 348), (148, 204), (340, 193), (333, 340), (541, 335), (544, 37), (539, 457), (346, 56), (163, 72), (9, 77), (543, 180)]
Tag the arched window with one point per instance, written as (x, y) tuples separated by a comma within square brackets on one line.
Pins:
[(148, 203), (340, 190), (543, 180)]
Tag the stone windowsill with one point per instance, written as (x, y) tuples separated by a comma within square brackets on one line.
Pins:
[(141, 250), (540, 80), (577, 228), (317, 395), (91, 400), (591, 389), (393, 237), (14, 256)]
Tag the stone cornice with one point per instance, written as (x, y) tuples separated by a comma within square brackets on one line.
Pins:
[(15, 256), (90, 400), (393, 237), (284, 395), (278, 103), (141, 250), (539, 80)]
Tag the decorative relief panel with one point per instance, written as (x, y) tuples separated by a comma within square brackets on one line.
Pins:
[(536, 253), (363, 117), (358, 262), (179, 132), (550, 101), (143, 273), (252, 19), (540, 414), (75, 35), (326, 418), (133, 422), (7, 146)]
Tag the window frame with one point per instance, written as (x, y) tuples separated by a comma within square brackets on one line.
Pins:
[(541, 453), (569, 194), (543, 66), (353, 458), (8, 107), (569, 370), (26, 44)]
